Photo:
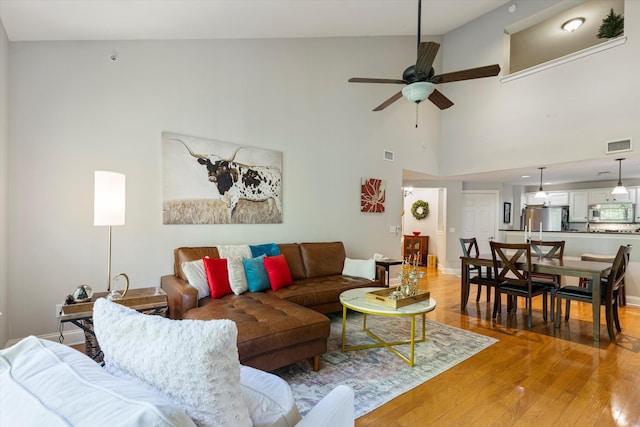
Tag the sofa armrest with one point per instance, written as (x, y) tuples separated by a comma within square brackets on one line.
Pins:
[(336, 409), (180, 294)]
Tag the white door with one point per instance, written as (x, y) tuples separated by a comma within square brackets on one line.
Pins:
[(479, 217)]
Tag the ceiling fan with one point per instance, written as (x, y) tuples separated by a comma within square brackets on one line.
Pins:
[(421, 78)]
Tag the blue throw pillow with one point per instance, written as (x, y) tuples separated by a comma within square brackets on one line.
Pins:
[(257, 279), (268, 249)]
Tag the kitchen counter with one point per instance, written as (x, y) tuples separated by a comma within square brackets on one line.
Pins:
[(581, 242), (575, 232), (585, 242)]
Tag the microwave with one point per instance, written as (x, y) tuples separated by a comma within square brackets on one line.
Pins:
[(611, 212)]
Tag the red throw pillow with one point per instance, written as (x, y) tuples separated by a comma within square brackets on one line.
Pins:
[(278, 271), (217, 276)]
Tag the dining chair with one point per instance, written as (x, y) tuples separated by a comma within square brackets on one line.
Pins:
[(622, 294), (470, 249), (609, 289), (511, 266), (551, 250)]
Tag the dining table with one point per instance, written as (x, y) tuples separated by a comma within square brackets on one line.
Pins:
[(591, 270)]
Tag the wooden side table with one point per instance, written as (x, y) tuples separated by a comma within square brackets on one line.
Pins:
[(145, 300), (386, 263)]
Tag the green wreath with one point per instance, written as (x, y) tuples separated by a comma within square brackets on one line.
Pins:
[(420, 209)]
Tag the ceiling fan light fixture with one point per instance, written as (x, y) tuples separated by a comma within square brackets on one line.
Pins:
[(619, 189), (572, 24), (418, 91)]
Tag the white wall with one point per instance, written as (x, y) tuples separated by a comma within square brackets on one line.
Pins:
[(4, 183), (561, 114), (428, 225), (73, 111)]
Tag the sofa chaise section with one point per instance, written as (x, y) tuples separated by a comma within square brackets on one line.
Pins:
[(271, 331), (275, 328)]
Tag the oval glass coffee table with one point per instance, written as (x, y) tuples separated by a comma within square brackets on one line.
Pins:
[(355, 299)]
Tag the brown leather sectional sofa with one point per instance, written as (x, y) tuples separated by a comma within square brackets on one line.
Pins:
[(275, 328)]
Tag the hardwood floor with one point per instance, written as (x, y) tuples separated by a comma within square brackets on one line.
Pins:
[(543, 376)]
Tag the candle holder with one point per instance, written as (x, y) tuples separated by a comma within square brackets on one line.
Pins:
[(409, 277)]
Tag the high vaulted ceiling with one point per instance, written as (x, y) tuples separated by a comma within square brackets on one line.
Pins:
[(49, 20), (206, 19)]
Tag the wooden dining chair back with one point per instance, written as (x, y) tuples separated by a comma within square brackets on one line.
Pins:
[(548, 249), (512, 266), (474, 273), (609, 289), (469, 247), (551, 250), (622, 297)]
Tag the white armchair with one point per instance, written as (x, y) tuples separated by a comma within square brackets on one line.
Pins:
[(47, 383)]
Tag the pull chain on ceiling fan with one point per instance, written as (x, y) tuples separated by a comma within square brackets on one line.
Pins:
[(420, 79)]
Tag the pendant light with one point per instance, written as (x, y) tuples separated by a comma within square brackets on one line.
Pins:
[(619, 189), (541, 194)]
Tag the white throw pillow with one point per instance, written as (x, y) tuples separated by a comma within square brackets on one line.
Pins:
[(237, 276), (195, 362), (360, 268), (196, 276), (230, 251)]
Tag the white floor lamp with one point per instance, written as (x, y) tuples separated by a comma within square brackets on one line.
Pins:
[(108, 209)]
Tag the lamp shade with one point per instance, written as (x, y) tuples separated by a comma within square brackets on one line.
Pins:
[(109, 198), (541, 194), (418, 91), (620, 189)]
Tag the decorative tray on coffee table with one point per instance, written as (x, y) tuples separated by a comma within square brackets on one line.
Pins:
[(382, 297)]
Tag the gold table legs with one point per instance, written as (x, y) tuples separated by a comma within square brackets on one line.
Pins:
[(380, 342)]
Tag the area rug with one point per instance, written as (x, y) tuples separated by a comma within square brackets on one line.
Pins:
[(376, 375)]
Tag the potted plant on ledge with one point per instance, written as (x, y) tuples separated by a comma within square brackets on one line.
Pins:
[(612, 26)]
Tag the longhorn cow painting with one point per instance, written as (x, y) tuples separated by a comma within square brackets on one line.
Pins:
[(213, 182)]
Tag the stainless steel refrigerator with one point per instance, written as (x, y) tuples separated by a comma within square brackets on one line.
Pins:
[(552, 218)]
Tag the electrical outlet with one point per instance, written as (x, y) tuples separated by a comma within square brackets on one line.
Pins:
[(58, 310)]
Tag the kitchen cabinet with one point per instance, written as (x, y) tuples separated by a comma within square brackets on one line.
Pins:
[(558, 198), (578, 206), (532, 200), (604, 196), (554, 198), (637, 197), (416, 246)]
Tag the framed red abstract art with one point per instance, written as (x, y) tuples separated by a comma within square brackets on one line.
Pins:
[(372, 195)]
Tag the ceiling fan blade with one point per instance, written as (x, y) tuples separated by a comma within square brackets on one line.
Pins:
[(440, 101), (368, 80), (471, 73), (426, 55), (388, 102)]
